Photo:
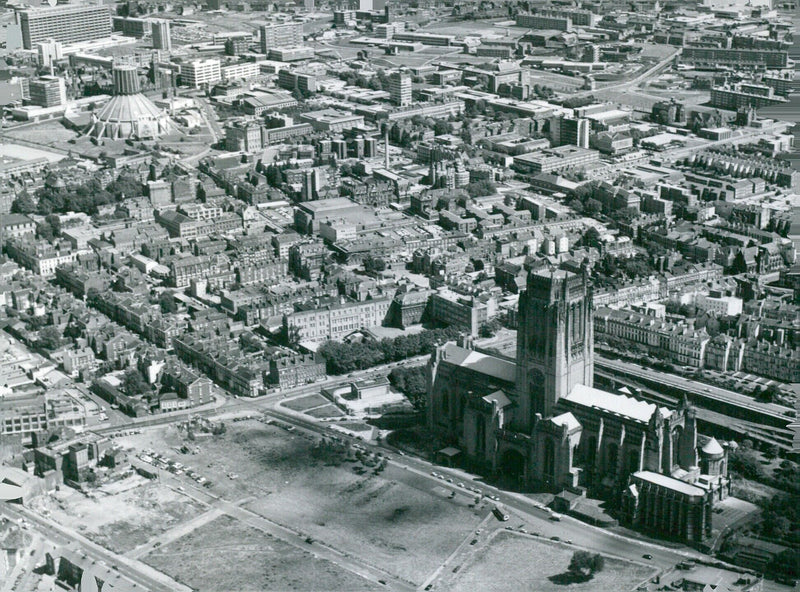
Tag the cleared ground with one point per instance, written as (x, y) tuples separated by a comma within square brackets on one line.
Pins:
[(121, 521), (392, 520), (514, 562), (226, 555)]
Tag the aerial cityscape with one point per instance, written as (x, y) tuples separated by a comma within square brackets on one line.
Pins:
[(406, 295)]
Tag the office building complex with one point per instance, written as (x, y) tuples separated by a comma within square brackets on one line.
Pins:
[(281, 35), (569, 130), (201, 72), (400, 88), (67, 24), (49, 52), (744, 95), (48, 91)]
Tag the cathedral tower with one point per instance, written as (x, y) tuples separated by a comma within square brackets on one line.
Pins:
[(555, 347)]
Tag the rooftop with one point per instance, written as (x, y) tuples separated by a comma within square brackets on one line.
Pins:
[(669, 483), (586, 396), (478, 362)]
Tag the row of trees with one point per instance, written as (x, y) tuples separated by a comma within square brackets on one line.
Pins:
[(85, 197), (343, 358)]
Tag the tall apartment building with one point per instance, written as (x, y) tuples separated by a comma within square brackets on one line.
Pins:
[(543, 21), (131, 27), (161, 35), (281, 35), (569, 130), (738, 58), (400, 89), (67, 24), (49, 52), (200, 72), (744, 95), (48, 91)]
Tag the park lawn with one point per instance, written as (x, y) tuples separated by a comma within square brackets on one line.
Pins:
[(303, 403)]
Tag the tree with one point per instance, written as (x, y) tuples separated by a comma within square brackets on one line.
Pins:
[(745, 463), (290, 336), (374, 264), (50, 338), (133, 383), (592, 207), (586, 564), (481, 188), (442, 127), (412, 383), (167, 302), (23, 204)]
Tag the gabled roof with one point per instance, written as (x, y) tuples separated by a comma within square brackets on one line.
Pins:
[(586, 396), (479, 362)]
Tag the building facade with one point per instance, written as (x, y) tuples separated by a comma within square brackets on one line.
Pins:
[(67, 24)]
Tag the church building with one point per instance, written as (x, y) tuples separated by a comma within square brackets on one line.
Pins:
[(539, 419)]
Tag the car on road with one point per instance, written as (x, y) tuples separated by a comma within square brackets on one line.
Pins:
[(555, 538), (473, 541), (309, 540), (460, 484), (555, 517), (449, 480), (647, 556), (434, 474)]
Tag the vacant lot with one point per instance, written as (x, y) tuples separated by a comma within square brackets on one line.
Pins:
[(379, 518), (515, 562), (226, 555), (122, 521)]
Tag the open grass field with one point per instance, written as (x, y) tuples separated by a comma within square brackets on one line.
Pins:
[(48, 133), (516, 562), (225, 555), (328, 410), (390, 520), (303, 403), (122, 521)]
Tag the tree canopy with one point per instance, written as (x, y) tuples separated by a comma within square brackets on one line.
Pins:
[(343, 358)]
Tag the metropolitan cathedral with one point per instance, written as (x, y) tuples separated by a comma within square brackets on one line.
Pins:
[(539, 418)]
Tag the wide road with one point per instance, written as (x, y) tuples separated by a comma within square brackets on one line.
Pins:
[(633, 82), (136, 571)]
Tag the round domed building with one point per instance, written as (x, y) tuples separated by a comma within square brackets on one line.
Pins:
[(129, 114)]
